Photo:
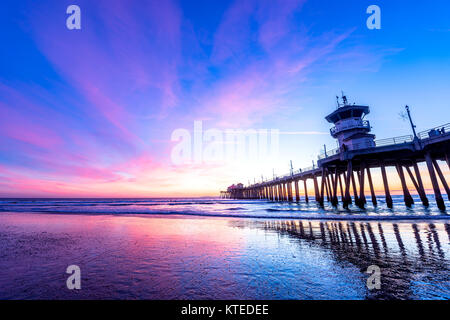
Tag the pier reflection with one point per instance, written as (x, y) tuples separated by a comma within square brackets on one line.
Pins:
[(409, 254)]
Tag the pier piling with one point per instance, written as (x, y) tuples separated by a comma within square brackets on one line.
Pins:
[(297, 192), (422, 194), (306, 191), (441, 176), (407, 196), (347, 199), (434, 182), (386, 186), (372, 190)]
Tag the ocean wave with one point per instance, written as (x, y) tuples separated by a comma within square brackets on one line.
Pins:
[(220, 208), (257, 216)]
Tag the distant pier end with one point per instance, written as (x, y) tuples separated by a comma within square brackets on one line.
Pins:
[(346, 169)]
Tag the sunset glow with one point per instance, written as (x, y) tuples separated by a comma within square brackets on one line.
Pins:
[(91, 112)]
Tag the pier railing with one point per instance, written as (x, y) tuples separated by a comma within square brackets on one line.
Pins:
[(395, 140), (308, 169), (434, 132), (364, 124), (430, 133), (294, 172), (378, 143), (329, 153)]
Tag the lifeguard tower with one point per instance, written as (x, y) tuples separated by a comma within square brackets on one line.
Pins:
[(350, 128)]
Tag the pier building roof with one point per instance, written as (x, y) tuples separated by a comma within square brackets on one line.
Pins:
[(347, 111)]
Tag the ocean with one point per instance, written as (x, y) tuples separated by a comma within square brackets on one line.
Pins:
[(212, 248)]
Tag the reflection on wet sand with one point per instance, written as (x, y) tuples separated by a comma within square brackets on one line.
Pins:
[(406, 252), (142, 257)]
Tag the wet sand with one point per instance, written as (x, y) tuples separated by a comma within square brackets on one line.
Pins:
[(181, 257)]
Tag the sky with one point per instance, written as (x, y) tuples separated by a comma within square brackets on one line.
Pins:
[(106, 110)]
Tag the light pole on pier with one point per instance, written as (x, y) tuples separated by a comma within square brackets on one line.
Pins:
[(413, 126)]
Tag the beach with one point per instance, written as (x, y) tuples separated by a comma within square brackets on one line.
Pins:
[(139, 256)]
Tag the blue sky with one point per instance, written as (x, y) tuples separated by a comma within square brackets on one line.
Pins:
[(91, 111)]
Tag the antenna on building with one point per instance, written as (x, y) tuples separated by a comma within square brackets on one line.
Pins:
[(292, 169), (337, 101), (273, 172), (344, 98), (313, 164)]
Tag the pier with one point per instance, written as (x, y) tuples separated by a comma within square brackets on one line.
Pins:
[(346, 170)]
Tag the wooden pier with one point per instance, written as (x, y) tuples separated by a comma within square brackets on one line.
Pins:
[(346, 171)]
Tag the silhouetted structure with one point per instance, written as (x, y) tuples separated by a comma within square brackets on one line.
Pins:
[(357, 153)]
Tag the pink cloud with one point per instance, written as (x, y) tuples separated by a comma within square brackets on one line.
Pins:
[(22, 120), (235, 33), (261, 88), (133, 62), (275, 20)]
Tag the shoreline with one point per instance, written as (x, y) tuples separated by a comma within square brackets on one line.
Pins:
[(187, 215), (176, 257)]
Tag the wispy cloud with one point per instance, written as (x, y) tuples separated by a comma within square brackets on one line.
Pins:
[(97, 118)]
